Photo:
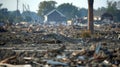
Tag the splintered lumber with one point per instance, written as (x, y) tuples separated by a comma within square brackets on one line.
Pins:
[(7, 59)]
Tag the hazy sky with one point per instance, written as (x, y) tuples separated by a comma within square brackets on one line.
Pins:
[(11, 4)]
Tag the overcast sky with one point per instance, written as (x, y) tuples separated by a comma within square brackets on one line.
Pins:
[(11, 4)]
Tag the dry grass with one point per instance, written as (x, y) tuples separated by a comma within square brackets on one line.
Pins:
[(85, 34)]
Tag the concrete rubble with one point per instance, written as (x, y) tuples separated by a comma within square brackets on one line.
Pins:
[(58, 46)]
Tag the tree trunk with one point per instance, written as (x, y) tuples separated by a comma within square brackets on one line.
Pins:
[(90, 16)]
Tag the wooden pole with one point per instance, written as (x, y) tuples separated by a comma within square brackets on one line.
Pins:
[(90, 16)]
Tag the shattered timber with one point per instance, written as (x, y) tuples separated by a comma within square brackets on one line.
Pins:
[(59, 46)]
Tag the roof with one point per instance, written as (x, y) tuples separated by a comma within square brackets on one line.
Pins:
[(54, 11), (107, 15)]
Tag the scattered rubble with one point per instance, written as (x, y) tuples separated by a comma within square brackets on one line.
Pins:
[(56, 46), (101, 55)]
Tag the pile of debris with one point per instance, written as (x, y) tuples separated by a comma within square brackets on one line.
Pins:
[(55, 46), (97, 55)]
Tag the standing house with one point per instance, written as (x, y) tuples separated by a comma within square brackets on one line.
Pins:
[(107, 18), (54, 17)]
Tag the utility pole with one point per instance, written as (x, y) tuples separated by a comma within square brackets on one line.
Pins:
[(23, 8), (17, 4), (17, 12)]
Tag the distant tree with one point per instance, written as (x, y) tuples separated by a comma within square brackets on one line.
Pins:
[(83, 12), (118, 5), (45, 7), (90, 16), (15, 16), (112, 9), (100, 11), (69, 10), (9, 16), (0, 5), (117, 16), (4, 14), (27, 16)]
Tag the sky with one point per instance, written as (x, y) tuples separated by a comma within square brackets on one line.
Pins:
[(33, 4)]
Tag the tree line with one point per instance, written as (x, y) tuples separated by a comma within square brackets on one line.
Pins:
[(71, 11), (68, 9), (14, 16)]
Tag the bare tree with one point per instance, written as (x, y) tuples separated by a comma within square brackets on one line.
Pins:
[(90, 16)]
